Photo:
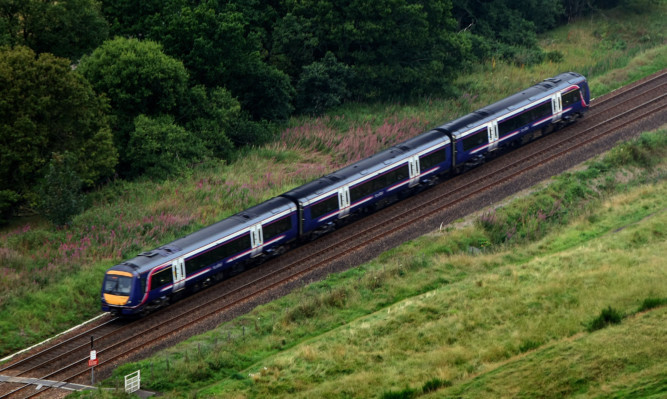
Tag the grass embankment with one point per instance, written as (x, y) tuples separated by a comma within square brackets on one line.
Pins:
[(50, 279), (560, 292)]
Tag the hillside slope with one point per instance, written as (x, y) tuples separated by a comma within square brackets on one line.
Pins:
[(571, 303)]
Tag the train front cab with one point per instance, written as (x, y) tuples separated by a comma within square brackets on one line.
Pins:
[(116, 291)]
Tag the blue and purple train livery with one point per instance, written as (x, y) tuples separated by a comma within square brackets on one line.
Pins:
[(154, 278)]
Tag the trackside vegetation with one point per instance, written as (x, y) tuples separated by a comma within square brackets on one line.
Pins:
[(530, 273), (568, 305), (176, 83), (50, 277)]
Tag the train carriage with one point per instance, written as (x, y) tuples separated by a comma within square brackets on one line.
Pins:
[(512, 120), (371, 183), (153, 278)]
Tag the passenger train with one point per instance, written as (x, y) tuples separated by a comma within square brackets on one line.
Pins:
[(154, 278)]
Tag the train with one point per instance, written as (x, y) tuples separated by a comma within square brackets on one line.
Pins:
[(155, 278)]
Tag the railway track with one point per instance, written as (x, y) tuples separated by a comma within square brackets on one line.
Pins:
[(117, 341)]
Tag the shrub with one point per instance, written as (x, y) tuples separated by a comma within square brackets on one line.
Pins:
[(60, 193), (652, 302), (245, 132), (405, 393), (8, 199), (555, 56), (322, 85), (640, 152), (529, 345), (607, 316), (159, 148), (435, 384)]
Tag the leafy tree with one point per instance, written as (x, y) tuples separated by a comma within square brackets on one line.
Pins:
[(138, 78), (294, 44), (507, 29), (47, 108), (210, 114), (66, 28), (247, 132), (396, 48), (159, 148), (8, 200), (132, 18), (60, 193), (264, 91), (323, 85), (217, 45)]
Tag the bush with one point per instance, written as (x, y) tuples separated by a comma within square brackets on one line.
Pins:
[(322, 85), (8, 199), (405, 393), (607, 316), (246, 132), (159, 148), (651, 303), (60, 193), (641, 151), (435, 384)]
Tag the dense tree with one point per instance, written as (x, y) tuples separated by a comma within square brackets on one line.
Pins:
[(159, 148), (294, 44), (217, 46), (323, 84), (60, 195), (66, 28), (47, 108), (507, 29), (138, 78), (396, 48), (210, 115), (132, 18)]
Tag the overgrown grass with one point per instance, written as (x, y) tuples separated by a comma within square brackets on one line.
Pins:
[(61, 270), (531, 218), (623, 361), (430, 317), (50, 278)]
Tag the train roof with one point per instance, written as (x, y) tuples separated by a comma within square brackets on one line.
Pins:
[(541, 90), (182, 246), (371, 164)]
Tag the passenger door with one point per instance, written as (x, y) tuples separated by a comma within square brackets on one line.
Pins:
[(492, 133), (557, 107), (256, 239), (414, 168), (178, 273), (344, 201)]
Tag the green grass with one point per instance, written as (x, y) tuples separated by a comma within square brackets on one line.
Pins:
[(623, 361), (49, 278), (432, 318)]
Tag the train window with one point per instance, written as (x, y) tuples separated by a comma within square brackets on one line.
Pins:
[(117, 285), (365, 188), (475, 140), (199, 262), (518, 121), (571, 97), (379, 182), (323, 207), (277, 227), (161, 278), (397, 175), (217, 254), (430, 160)]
